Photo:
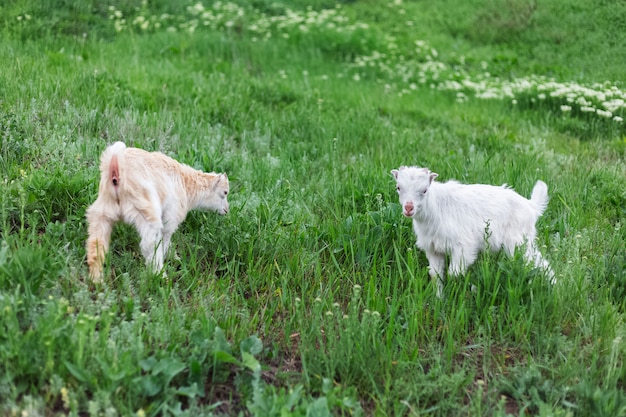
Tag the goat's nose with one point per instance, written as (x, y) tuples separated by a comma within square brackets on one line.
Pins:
[(408, 209)]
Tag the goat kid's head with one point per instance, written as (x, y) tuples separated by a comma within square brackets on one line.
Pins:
[(412, 184), (215, 194)]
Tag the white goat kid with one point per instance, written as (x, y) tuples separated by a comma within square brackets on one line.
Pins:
[(154, 193), (461, 220)]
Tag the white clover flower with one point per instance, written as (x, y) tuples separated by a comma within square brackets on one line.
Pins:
[(119, 25), (583, 102), (329, 313), (587, 109), (618, 119), (336, 305), (356, 77), (541, 96), (604, 113), (566, 108), (197, 8), (613, 105), (317, 300), (357, 287)]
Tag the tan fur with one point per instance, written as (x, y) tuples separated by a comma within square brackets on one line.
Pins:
[(115, 173), (154, 193)]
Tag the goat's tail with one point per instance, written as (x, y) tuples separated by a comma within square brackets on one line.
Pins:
[(112, 169), (539, 197)]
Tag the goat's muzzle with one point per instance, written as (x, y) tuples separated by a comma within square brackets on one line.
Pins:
[(409, 209)]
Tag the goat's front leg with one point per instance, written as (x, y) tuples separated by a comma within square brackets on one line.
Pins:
[(458, 265), (436, 269), (461, 260), (152, 245), (150, 226), (169, 227)]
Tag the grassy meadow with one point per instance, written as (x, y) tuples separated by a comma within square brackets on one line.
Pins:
[(309, 298)]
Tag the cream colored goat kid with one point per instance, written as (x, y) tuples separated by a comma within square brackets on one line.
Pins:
[(154, 193)]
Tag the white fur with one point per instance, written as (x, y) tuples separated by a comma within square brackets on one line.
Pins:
[(461, 220), (154, 193)]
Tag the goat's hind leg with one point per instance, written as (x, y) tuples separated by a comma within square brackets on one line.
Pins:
[(533, 256), (99, 230)]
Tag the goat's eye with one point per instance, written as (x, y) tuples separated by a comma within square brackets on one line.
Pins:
[(225, 192), (398, 188)]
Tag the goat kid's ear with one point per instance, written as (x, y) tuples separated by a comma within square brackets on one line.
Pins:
[(432, 176), (394, 172), (217, 182)]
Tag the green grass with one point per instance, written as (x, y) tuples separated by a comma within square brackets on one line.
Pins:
[(309, 297)]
